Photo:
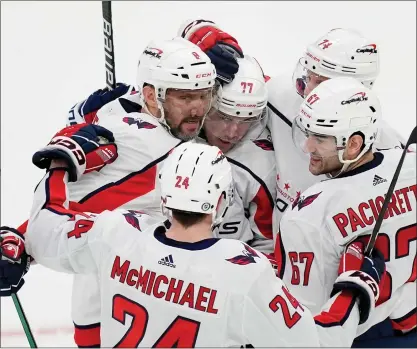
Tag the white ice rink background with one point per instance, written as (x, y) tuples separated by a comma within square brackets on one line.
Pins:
[(52, 56)]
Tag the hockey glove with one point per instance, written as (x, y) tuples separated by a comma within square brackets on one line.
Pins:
[(14, 261), (86, 110), (362, 275), (222, 48), (84, 147)]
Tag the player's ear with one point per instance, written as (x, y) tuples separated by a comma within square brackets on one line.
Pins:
[(149, 96), (354, 146)]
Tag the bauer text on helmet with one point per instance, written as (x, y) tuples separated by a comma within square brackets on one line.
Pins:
[(197, 178), (337, 125), (238, 106), (341, 52), (176, 80)]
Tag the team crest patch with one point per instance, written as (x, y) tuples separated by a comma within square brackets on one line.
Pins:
[(248, 256), (132, 219), (138, 122), (302, 201), (264, 144)]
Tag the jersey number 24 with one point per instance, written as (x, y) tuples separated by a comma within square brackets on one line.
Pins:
[(181, 333)]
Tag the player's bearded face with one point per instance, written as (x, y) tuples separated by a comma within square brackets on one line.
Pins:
[(224, 131), (185, 111), (321, 149)]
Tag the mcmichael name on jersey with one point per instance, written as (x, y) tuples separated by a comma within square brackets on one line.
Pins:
[(150, 282)]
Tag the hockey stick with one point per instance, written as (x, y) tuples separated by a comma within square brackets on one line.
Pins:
[(108, 45), (375, 231), (24, 321)]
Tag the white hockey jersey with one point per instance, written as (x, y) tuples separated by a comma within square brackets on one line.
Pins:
[(249, 219), (293, 176), (143, 144), (328, 215), (158, 292), (130, 183)]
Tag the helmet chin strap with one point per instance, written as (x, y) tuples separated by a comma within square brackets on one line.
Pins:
[(342, 170), (346, 163), (160, 119), (219, 212)]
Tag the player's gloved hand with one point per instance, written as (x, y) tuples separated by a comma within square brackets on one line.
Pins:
[(86, 110), (14, 261), (362, 275), (221, 47), (85, 148), (273, 261)]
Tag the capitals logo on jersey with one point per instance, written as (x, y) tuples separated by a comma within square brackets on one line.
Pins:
[(301, 202), (246, 258), (138, 122), (132, 218), (264, 144)]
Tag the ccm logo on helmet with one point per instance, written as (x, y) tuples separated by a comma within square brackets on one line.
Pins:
[(306, 114), (357, 97), (205, 75), (313, 57)]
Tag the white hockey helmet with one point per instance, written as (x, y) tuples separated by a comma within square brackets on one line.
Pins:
[(247, 95), (197, 178), (239, 105), (341, 52), (174, 64), (338, 107)]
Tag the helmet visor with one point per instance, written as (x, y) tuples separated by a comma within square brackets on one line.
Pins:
[(311, 143), (304, 80), (230, 128)]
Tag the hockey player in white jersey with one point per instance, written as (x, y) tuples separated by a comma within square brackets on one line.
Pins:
[(340, 52), (180, 286), (175, 80), (336, 129), (237, 125)]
